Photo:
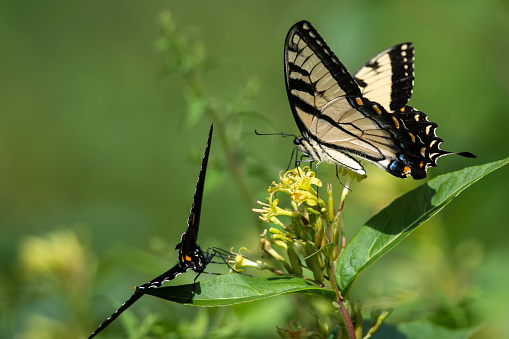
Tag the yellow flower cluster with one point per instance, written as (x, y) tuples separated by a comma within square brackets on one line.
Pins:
[(304, 238)]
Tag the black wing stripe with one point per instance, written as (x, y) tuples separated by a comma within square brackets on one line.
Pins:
[(347, 150), (301, 86), (364, 143), (402, 62), (388, 77), (314, 75), (310, 38)]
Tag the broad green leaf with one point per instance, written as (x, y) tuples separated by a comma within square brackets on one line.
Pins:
[(424, 330), (421, 329), (395, 222), (230, 289), (385, 331)]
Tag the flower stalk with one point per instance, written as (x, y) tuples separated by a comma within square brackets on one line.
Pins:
[(315, 235)]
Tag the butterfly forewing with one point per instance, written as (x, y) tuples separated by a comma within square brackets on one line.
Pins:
[(190, 254), (314, 75)]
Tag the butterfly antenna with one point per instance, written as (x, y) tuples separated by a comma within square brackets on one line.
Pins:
[(281, 134), (217, 249)]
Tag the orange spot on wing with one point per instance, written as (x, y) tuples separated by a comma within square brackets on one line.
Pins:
[(359, 101), (187, 258), (412, 136), (406, 170), (402, 109), (375, 107), (396, 122)]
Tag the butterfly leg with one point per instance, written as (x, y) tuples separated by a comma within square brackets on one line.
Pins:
[(316, 172), (291, 158), (194, 289), (337, 176), (298, 161), (219, 252), (223, 254)]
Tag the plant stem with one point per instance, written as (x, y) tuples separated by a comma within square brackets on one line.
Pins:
[(332, 268), (341, 302), (348, 320)]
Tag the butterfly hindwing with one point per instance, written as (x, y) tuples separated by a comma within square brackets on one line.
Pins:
[(388, 77), (157, 282)]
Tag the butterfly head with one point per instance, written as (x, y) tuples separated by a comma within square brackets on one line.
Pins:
[(299, 143), (305, 146)]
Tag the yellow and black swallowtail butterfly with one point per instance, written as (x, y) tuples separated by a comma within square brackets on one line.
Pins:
[(191, 256), (342, 118)]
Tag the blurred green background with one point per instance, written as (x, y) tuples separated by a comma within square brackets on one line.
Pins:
[(99, 158)]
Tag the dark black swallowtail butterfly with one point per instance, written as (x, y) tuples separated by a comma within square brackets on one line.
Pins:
[(191, 256)]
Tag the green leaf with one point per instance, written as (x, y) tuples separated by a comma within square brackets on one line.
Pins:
[(424, 330), (395, 222), (421, 329), (230, 289)]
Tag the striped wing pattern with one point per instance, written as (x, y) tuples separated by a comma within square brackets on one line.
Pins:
[(388, 77), (314, 75), (342, 118)]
